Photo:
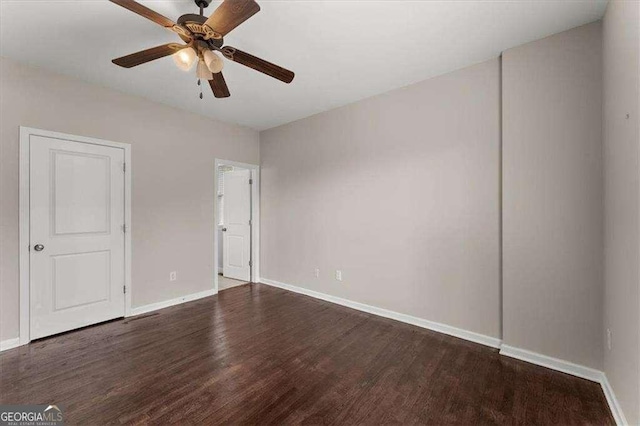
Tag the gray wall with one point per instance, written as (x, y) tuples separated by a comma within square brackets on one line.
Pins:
[(621, 44), (400, 192), (552, 196), (173, 155)]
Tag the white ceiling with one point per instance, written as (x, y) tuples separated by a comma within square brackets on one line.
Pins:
[(341, 50)]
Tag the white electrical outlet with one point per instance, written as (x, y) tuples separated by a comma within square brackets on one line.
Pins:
[(173, 275), (317, 273), (609, 338), (338, 275)]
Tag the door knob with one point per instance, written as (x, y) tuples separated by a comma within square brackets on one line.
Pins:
[(224, 229), (38, 247)]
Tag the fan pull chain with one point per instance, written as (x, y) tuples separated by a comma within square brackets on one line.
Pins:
[(200, 88)]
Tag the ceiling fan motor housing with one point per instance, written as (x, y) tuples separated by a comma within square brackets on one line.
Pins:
[(201, 32)]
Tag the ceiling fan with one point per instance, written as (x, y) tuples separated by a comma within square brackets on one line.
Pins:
[(202, 38)]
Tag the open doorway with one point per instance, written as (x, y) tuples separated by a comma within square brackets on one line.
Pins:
[(237, 203)]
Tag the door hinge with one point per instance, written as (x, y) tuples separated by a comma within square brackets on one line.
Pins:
[(124, 228), (250, 181), (250, 263), (124, 289), (124, 167)]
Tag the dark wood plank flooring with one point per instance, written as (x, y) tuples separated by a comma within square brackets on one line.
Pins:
[(260, 355)]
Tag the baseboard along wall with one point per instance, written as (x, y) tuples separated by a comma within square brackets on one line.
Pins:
[(431, 325), (505, 350), (9, 344), (552, 363), (15, 342), (167, 303)]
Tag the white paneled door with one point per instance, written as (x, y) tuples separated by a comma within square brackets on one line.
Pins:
[(76, 213), (237, 227)]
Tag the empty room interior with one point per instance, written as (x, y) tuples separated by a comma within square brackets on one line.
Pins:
[(320, 212)]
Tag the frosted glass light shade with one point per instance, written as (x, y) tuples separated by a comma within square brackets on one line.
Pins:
[(202, 72), (185, 58), (214, 61)]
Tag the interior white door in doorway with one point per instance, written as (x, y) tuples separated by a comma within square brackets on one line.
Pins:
[(76, 217), (236, 229)]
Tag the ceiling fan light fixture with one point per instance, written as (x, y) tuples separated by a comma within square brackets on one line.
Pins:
[(185, 58), (202, 72), (213, 61)]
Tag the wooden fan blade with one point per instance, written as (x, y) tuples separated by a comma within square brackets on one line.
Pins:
[(146, 12), (230, 14), (258, 64), (141, 10), (148, 55), (219, 86)]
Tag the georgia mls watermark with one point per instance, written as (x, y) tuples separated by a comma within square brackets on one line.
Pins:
[(31, 415)]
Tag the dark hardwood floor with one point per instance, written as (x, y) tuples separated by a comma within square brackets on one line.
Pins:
[(260, 355)]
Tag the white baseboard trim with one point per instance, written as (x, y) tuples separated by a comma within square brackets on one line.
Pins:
[(9, 344), (167, 303), (552, 363), (614, 405), (573, 369), (506, 350), (431, 325), (14, 343)]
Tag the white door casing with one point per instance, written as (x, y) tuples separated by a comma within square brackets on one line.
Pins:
[(76, 212), (237, 229)]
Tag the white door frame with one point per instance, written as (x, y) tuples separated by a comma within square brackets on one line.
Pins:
[(25, 141), (255, 219)]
